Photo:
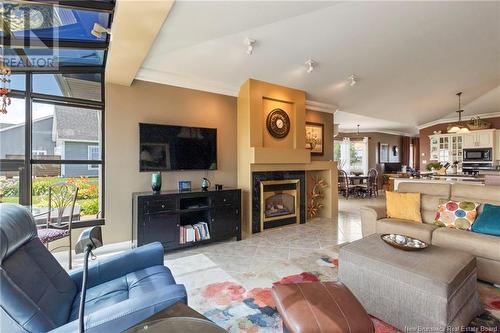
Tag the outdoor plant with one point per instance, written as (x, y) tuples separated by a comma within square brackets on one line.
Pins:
[(89, 207), (9, 188)]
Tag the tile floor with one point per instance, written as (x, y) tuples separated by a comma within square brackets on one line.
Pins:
[(265, 257)]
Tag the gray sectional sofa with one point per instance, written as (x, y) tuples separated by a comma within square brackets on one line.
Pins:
[(485, 248)]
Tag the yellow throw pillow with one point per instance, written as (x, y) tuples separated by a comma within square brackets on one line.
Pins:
[(405, 206)]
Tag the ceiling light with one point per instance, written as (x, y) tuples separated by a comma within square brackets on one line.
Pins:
[(357, 132), (98, 30), (459, 127), (310, 66), (250, 45), (353, 80)]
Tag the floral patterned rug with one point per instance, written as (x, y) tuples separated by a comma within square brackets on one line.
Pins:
[(237, 309)]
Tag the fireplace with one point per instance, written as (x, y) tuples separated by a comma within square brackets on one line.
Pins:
[(279, 200)]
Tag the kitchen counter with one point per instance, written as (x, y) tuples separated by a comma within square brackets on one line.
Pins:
[(447, 179)]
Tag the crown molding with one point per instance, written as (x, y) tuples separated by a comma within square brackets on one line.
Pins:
[(454, 120), (368, 130), (183, 81), (321, 107)]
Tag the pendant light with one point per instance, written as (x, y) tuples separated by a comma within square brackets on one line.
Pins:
[(459, 127)]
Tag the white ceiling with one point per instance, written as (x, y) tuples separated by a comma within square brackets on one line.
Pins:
[(411, 57)]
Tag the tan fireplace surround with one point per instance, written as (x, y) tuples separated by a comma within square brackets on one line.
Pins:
[(259, 151)]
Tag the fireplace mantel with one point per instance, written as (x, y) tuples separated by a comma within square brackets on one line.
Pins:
[(259, 151)]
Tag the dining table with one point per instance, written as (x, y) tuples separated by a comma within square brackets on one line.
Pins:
[(357, 179)]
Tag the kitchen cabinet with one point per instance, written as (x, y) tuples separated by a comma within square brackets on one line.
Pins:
[(496, 154), (446, 148), (479, 139)]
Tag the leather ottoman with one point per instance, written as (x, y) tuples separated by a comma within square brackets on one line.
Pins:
[(320, 307)]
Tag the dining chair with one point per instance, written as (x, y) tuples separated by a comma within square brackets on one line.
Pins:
[(373, 178), (62, 199), (370, 188), (344, 186)]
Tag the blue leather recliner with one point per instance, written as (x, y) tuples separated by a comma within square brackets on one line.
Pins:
[(38, 295)]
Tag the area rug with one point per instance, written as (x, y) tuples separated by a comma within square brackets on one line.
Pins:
[(225, 301)]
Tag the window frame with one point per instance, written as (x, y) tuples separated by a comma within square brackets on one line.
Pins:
[(90, 156), (25, 166)]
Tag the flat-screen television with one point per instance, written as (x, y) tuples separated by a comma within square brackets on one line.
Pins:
[(166, 148)]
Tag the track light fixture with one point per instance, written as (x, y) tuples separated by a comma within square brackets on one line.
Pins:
[(310, 66), (353, 80), (250, 43)]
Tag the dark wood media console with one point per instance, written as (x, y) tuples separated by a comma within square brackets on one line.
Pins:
[(159, 217)]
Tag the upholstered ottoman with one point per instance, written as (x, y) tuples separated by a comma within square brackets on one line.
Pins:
[(433, 290), (320, 308)]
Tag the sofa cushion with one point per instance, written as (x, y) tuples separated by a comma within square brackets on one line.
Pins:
[(489, 221), (456, 214), (429, 205), (476, 244), (132, 285), (431, 194), (422, 231), (405, 206), (478, 193)]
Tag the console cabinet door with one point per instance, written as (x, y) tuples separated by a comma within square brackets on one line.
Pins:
[(225, 222), (160, 227)]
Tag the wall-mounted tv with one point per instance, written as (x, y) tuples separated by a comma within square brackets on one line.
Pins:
[(166, 148)]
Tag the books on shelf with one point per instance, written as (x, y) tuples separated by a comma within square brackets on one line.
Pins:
[(193, 233)]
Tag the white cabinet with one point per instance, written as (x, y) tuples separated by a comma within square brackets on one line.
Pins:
[(470, 140), (496, 154), (479, 139), (434, 148), (446, 148)]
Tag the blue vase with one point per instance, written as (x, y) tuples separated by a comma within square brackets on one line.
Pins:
[(156, 182)]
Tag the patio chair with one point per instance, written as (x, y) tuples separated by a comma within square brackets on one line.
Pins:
[(62, 198)]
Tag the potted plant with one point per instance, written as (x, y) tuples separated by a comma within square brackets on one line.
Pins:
[(434, 166), (386, 185)]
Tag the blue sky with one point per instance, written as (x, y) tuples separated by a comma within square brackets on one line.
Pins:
[(15, 112)]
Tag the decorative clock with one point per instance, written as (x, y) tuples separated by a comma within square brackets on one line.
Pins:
[(278, 123)]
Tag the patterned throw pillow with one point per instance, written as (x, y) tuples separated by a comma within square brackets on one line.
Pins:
[(456, 214)]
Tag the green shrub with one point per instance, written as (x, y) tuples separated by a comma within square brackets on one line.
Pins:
[(40, 186), (89, 207), (9, 188)]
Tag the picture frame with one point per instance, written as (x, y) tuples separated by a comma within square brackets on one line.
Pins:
[(184, 185), (315, 138), (383, 152)]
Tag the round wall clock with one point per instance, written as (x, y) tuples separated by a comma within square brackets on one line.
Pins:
[(278, 123)]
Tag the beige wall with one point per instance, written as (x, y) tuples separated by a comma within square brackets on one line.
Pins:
[(327, 120), (148, 102), (375, 139)]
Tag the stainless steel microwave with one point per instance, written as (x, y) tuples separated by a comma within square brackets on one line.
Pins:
[(478, 155)]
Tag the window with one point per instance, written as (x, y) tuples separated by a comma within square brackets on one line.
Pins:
[(58, 89), (337, 146), (94, 153), (39, 152)]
